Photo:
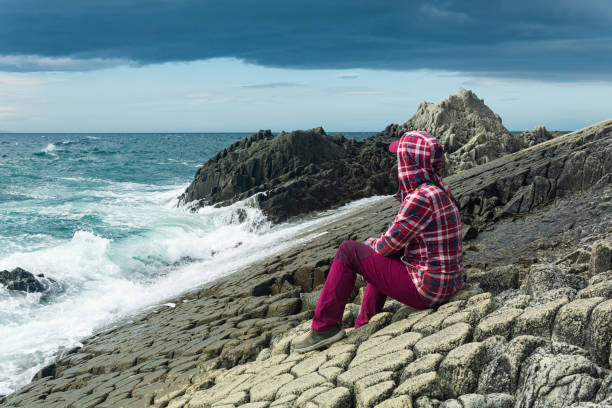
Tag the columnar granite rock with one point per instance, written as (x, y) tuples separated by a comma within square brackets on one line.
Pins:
[(531, 327)]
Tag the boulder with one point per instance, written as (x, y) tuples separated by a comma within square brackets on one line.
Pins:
[(21, 280)]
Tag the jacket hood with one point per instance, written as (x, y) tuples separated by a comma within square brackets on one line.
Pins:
[(420, 159)]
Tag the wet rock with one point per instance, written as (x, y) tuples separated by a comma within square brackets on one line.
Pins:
[(469, 233), (24, 281)]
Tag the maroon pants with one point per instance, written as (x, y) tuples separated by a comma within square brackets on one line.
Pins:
[(385, 276)]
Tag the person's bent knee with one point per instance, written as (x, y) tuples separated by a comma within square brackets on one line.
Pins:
[(353, 251)]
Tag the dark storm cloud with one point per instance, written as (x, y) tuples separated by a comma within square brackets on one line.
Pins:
[(561, 40)]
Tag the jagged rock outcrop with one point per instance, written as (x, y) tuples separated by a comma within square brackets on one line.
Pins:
[(305, 171), (24, 281), (297, 173), (537, 135), (470, 132), (520, 182)]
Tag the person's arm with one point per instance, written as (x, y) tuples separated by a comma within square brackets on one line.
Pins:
[(412, 218)]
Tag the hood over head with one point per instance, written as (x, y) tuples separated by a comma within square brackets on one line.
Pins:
[(420, 159)]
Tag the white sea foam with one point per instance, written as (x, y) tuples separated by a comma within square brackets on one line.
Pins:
[(106, 279), (49, 149)]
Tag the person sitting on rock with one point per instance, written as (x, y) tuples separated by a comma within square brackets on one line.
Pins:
[(417, 261)]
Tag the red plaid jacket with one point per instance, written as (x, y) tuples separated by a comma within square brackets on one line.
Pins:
[(428, 225)]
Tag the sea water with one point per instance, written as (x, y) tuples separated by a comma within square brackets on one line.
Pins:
[(98, 214)]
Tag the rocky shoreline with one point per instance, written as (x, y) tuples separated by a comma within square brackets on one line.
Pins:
[(304, 171), (531, 328)]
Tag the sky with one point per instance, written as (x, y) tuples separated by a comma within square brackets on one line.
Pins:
[(223, 65)]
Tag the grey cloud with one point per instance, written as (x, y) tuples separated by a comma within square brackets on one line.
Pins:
[(523, 38)]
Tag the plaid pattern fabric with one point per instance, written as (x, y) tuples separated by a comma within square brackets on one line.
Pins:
[(428, 225)]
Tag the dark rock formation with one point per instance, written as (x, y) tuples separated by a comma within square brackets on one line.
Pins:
[(297, 173), (518, 183), (22, 280)]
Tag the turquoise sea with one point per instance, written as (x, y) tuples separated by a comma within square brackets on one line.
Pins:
[(98, 213)]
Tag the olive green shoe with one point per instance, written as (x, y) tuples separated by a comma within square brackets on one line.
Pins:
[(317, 339)]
